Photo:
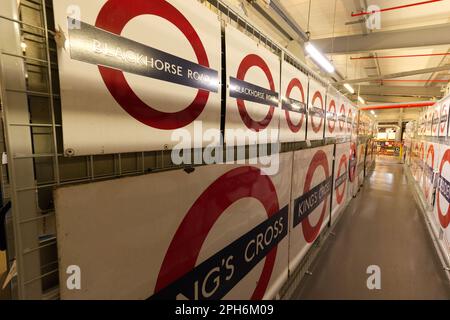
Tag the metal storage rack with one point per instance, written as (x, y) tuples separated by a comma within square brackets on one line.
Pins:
[(32, 127), (31, 114)]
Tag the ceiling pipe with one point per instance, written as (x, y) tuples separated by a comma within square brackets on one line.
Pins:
[(401, 56), (399, 105), (362, 13), (413, 80)]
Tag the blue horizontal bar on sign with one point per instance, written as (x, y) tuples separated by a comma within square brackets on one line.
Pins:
[(341, 179), (293, 105), (316, 112), (96, 46), (331, 116), (305, 205), (215, 277), (247, 91)]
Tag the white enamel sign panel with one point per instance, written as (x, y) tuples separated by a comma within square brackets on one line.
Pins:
[(125, 89), (340, 178), (316, 110)]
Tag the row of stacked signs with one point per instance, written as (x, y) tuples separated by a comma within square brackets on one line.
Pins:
[(124, 90), (221, 231), (430, 164)]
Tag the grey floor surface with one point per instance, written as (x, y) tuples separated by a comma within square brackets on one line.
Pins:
[(383, 227)]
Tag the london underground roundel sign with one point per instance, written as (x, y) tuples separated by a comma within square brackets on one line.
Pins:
[(183, 252), (342, 118), (331, 119), (352, 162), (253, 60), (317, 97), (113, 17), (295, 83), (428, 170)]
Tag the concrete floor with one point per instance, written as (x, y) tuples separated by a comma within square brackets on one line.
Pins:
[(383, 227)]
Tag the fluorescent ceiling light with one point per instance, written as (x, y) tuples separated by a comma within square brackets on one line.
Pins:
[(372, 112), (349, 88), (319, 57), (361, 100)]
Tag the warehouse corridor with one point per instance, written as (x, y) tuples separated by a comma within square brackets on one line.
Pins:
[(381, 227)]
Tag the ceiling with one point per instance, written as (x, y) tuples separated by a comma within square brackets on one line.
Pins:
[(335, 32)]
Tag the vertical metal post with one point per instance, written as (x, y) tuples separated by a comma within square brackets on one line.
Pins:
[(18, 141)]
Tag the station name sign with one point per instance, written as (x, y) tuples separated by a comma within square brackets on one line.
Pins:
[(96, 46), (216, 276), (305, 205)]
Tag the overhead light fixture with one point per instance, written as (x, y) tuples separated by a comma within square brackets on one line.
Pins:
[(319, 57), (349, 88), (361, 100), (372, 112)]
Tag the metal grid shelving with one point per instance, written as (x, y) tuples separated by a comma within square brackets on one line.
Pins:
[(31, 114)]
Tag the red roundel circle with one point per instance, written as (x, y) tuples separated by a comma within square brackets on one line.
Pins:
[(444, 219), (331, 123), (319, 160), (342, 166), (342, 122), (295, 83), (426, 186), (182, 254), (316, 128), (443, 112), (253, 60), (352, 169), (113, 17)]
